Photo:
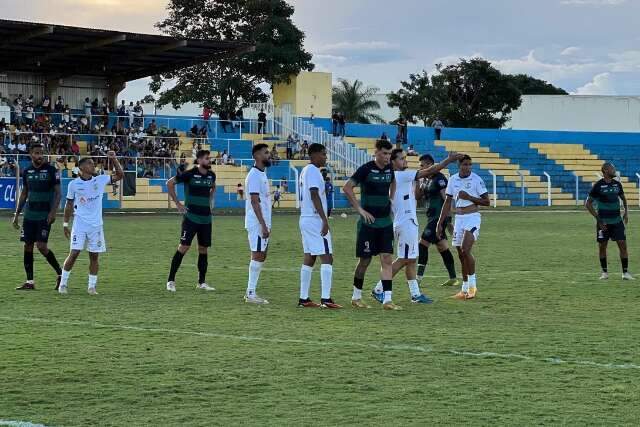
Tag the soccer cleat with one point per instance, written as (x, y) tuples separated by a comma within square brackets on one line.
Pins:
[(378, 296), (460, 296), (451, 282), (205, 287), (92, 291), (627, 276), (171, 286), (62, 290), (421, 299), (328, 303), (255, 299), (357, 303), (391, 306), (307, 303), (472, 293), (604, 276), (26, 286), (58, 280)]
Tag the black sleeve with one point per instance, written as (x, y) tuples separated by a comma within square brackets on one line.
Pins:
[(621, 193), (595, 191), (24, 179), (360, 175), (184, 176)]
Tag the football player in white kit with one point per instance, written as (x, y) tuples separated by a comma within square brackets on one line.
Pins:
[(405, 221), (84, 200), (466, 191), (257, 218), (314, 227)]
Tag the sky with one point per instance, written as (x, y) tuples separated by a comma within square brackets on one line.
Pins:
[(589, 47)]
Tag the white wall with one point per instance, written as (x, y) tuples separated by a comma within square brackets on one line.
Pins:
[(577, 113)]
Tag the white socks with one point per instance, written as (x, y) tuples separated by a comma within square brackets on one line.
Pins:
[(254, 274), (305, 281), (93, 281), (326, 276), (414, 288), (465, 286), (65, 277), (387, 297), (378, 288), (472, 281), (357, 294)]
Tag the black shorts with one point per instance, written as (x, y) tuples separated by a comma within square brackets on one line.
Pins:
[(430, 231), (615, 232), (35, 231), (373, 241), (190, 229)]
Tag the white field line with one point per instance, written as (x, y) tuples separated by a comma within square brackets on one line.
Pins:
[(12, 423), (333, 344)]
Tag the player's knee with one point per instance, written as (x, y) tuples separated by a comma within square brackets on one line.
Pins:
[(73, 255), (364, 262), (42, 247), (202, 250), (183, 249), (93, 257), (327, 259), (28, 247)]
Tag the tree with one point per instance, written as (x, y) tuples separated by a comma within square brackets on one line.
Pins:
[(148, 99), (420, 98), (228, 82), (531, 86), (355, 101)]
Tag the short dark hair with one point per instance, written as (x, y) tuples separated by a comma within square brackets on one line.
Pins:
[(427, 158), (383, 144), (201, 153), (83, 160), (606, 164), (395, 152), (258, 147), (34, 146), (316, 148), (463, 158)]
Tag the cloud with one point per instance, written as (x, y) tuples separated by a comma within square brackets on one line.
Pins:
[(600, 85), (360, 53), (570, 51), (593, 2)]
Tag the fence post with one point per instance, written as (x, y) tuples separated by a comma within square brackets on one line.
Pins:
[(521, 186), (297, 184), (548, 188), (577, 188), (495, 190)]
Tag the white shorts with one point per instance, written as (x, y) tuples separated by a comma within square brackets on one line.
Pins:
[(90, 237), (312, 242), (257, 243), (467, 222), (408, 238)]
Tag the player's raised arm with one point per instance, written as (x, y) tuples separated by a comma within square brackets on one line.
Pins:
[(171, 188), (452, 157), (22, 200), (119, 174)]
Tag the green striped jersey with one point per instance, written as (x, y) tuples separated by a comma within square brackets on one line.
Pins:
[(433, 195), (40, 183), (374, 184), (197, 190), (607, 198)]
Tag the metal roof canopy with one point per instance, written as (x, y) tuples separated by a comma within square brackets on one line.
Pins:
[(58, 51)]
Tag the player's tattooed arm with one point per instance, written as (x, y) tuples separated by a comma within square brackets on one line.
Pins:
[(119, 173), (347, 189), (171, 188), (625, 217), (444, 214), (68, 210)]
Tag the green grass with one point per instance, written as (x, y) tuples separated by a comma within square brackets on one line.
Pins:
[(136, 355)]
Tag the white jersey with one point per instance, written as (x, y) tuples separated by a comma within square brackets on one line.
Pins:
[(311, 177), (257, 183), (87, 199), (404, 199), (473, 185)]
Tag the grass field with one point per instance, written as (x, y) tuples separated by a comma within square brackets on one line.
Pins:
[(545, 342)]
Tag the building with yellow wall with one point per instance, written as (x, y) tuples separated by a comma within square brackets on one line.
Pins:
[(308, 93)]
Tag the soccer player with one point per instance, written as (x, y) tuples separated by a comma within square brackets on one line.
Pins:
[(375, 227), (199, 189), (84, 200), (314, 227), (466, 191), (405, 221), (257, 218), (434, 193), (40, 197), (607, 193)]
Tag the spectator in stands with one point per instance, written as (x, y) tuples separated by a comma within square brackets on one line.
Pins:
[(106, 110), (240, 117), (75, 172), (59, 106), (328, 189), (276, 197), (240, 190), (275, 157), (22, 147), (46, 104), (206, 115), (290, 144), (138, 113), (153, 128), (130, 113), (262, 121), (304, 148), (95, 107), (225, 157), (437, 126), (385, 137), (75, 148), (193, 132), (233, 120), (18, 104), (66, 114), (218, 159), (224, 117), (411, 151), (342, 125), (3, 124), (203, 132), (121, 112), (87, 107), (334, 123), (284, 184), (402, 131)]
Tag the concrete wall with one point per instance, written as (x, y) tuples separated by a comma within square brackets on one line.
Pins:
[(308, 93), (577, 113)]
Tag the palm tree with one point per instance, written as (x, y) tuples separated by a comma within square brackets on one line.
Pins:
[(355, 101)]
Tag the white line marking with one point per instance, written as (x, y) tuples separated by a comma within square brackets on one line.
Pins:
[(371, 346), (12, 423)]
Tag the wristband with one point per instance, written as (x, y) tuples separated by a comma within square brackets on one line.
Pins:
[(65, 224)]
